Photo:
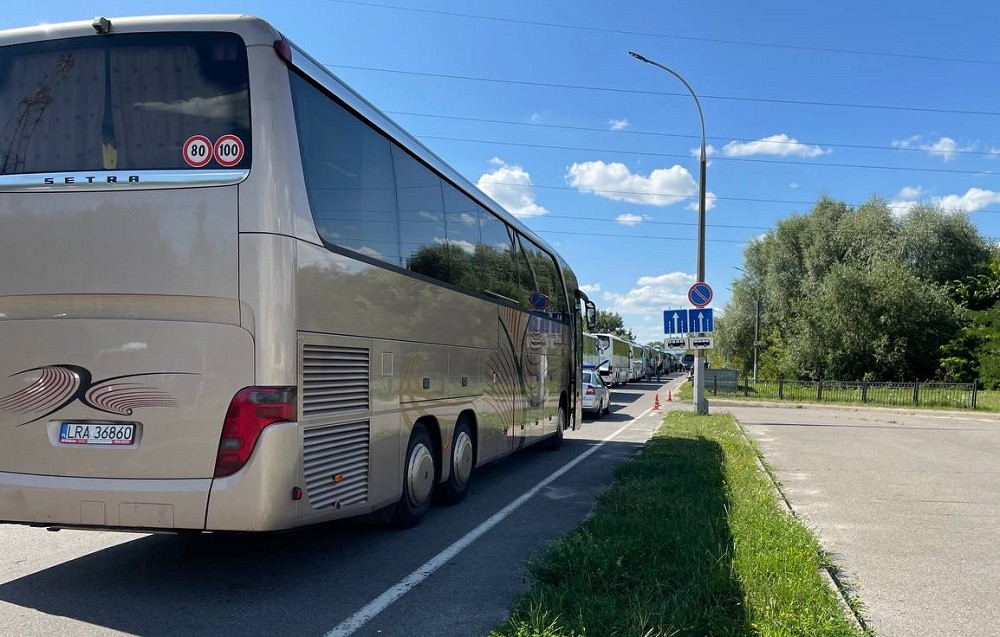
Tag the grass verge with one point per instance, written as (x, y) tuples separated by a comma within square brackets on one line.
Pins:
[(689, 540)]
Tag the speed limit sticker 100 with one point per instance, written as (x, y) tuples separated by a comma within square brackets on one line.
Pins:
[(229, 150)]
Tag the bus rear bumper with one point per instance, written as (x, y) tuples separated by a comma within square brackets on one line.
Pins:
[(258, 497), (57, 501)]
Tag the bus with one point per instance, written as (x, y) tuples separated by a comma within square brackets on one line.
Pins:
[(238, 297), (590, 355), (615, 356)]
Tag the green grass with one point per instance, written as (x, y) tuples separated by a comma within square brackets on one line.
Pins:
[(688, 541), (988, 400)]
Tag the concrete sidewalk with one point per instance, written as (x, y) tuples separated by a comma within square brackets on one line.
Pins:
[(908, 503)]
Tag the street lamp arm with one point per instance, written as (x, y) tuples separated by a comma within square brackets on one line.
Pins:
[(752, 277), (701, 116)]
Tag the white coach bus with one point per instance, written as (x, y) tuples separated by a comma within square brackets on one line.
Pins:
[(615, 356), (236, 296)]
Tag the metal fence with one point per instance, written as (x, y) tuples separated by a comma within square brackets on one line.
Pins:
[(955, 395)]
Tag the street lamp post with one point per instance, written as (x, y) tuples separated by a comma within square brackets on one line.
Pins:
[(700, 402)]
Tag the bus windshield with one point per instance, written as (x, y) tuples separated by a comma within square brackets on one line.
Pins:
[(126, 101)]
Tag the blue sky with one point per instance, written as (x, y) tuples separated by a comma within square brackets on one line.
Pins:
[(540, 104)]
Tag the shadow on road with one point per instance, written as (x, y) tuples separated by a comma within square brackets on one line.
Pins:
[(304, 581)]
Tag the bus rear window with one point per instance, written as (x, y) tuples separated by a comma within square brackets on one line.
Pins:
[(131, 101)]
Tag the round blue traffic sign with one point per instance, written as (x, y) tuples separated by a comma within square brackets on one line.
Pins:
[(700, 294)]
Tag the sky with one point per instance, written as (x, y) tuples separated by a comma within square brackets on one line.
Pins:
[(540, 104)]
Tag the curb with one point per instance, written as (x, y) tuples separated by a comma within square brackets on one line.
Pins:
[(827, 573)]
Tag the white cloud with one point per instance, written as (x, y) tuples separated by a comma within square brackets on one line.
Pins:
[(535, 118), (974, 199), (709, 151), (614, 181), (653, 294), (944, 147), (629, 219), (590, 288), (510, 186), (618, 124), (648, 298), (905, 200), (781, 145), (793, 185), (709, 202)]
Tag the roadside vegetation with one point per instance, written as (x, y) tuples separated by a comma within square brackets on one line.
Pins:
[(868, 292), (689, 540), (987, 401)]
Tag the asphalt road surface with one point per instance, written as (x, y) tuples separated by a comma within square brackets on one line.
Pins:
[(456, 574), (908, 502)]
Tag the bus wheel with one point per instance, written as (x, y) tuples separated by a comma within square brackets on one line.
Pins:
[(555, 441), (462, 462), (418, 480)]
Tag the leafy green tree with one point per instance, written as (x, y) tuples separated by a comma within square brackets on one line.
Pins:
[(940, 246), (609, 322), (851, 293)]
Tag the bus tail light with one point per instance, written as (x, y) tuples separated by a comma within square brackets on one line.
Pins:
[(251, 409)]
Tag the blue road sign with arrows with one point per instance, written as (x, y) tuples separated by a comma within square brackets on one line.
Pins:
[(675, 321), (700, 320)]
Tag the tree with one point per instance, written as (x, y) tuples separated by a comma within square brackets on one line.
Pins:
[(850, 293), (609, 322)]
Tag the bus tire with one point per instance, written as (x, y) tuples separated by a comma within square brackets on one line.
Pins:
[(419, 475), (463, 461), (555, 441)]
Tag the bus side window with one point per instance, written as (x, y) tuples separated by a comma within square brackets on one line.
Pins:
[(348, 173)]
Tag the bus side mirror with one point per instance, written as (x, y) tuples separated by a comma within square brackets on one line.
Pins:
[(591, 310)]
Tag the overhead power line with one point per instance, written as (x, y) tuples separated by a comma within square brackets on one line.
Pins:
[(719, 138), (671, 36), (639, 236), (655, 223), (954, 171), (702, 96)]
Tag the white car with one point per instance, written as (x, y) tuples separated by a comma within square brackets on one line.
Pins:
[(596, 395)]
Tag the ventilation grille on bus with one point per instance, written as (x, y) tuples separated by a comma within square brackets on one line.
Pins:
[(334, 380), (335, 460)]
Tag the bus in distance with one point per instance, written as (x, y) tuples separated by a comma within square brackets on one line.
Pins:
[(615, 354), (238, 297)]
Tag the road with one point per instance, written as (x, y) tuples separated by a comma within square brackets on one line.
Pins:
[(909, 503), (312, 581)]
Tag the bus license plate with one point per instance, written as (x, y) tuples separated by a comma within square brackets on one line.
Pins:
[(78, 433)]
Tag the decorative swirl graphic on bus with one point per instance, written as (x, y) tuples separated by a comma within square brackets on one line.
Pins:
[(60, 385)]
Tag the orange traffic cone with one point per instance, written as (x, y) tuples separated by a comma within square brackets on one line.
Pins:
[(656, 402), (670, 397)]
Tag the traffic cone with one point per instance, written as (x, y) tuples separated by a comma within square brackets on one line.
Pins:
[(670, 397), (656, 402)]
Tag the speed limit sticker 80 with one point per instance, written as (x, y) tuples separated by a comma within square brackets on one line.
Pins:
[(229, 150), (197, 151)]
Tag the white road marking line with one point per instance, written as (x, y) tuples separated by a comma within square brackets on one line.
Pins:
[(383, 601)]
